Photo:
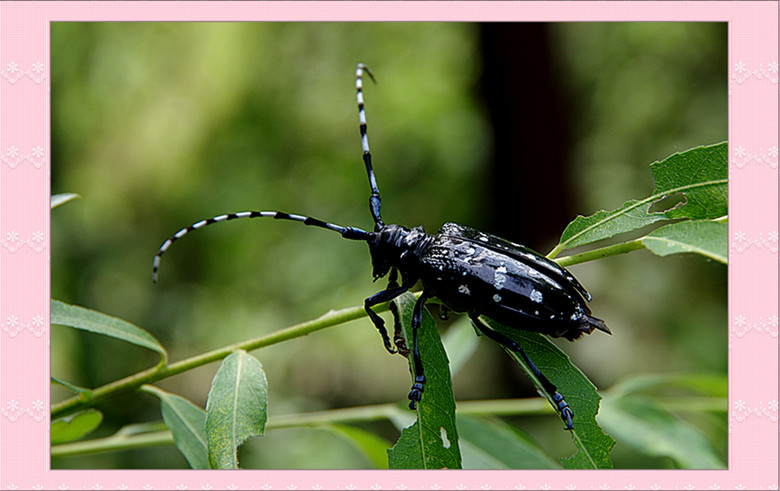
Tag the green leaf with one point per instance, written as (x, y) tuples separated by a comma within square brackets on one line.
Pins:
[(704, 237), (489, 443), (432, 441), (371, 445), (73, 388), (638, 422), (89, 320), (700, 175), (75, 426), (237, 408), (713, 385), (187, 423), (460, 343), (60, 199), (593, 445)]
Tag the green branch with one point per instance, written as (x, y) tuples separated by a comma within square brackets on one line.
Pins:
[(155, 374), (592, 255), (330, 319)]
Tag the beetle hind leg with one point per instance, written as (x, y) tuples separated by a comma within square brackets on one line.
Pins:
[(560, 403)]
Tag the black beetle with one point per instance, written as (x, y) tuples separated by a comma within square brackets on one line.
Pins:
[(467, 270)]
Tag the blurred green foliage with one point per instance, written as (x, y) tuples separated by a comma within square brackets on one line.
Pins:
[(159, 125)]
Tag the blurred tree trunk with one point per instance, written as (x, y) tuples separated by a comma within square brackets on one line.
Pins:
[(529, 186)]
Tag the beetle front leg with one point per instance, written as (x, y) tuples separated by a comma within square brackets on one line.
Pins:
[(560, 403), (419, 376), (377, 298)]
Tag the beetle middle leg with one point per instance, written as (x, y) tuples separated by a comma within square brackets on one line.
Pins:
[(398, 338), (419, 376), (563, 408)]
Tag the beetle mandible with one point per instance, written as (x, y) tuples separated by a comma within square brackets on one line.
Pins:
[(467, 270)]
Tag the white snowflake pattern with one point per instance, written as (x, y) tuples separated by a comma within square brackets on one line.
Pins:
[(12, 67), (37, 67)]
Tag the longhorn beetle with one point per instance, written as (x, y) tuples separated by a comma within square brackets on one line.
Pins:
[(467, 270)]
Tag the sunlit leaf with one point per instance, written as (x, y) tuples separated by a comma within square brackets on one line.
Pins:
[(699, 175), (75, 426), (90, 320), (237, 408), (60, 199), (704, 237)]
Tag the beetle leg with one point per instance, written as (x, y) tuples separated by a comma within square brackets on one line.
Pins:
[(560, 403), (377, 298), (398, 338), (419, 377)]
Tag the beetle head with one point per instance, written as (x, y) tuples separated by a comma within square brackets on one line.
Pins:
[(396, 246)]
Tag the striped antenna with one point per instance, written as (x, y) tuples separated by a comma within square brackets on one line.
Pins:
[(346, 232), (375, 202)]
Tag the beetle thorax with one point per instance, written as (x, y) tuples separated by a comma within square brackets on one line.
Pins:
[(396, 246)]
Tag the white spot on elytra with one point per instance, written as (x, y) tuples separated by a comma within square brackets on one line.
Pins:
[(444, 440), (499, 278), (483, 238), (536, 296), (497, 298), (464, 289)]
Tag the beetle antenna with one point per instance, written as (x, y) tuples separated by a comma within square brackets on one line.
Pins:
[(375, 202), (353, 233)]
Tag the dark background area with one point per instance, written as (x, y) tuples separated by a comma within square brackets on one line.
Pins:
[(510, 128)]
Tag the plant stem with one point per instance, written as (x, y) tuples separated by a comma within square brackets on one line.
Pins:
[(154, 374), (124, 441), (613, 250), (113, 443), (330, 319)]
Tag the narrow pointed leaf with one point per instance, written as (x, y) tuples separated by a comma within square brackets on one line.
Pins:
[(432, 441), (640, 423), (700, 175), (75, 426), (187, 423), (90, 320), (373, 447), (71, 387), (237, 408), (460, 343), (593, 445), (61, 199), (489, 443), (704, 237)]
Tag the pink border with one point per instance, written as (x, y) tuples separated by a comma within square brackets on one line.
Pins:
[(24, 226)]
